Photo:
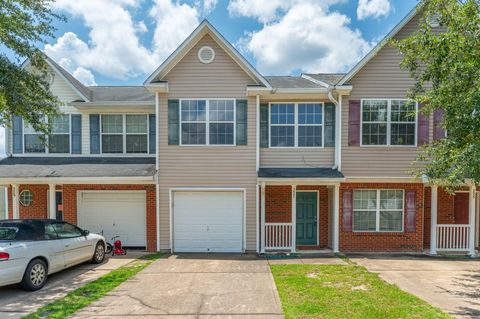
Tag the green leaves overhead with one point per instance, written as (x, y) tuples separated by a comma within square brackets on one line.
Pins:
[(444, 60), (25, 24)]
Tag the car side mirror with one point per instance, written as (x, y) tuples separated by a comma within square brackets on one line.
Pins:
[(86, 232)]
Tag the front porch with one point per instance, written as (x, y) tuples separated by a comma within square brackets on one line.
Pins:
[(453, 219), (298, 217)]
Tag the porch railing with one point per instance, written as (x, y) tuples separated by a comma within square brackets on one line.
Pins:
[(278, 236), (453, 237)]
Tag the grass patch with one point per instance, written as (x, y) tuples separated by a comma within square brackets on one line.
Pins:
[(350, 291), (83, 296)]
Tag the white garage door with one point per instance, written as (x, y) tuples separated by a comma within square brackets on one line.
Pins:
[(118, 213), (208, 221)]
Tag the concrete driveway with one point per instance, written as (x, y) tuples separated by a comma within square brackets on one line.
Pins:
[(449, 284), (194, 286), (15, 302)]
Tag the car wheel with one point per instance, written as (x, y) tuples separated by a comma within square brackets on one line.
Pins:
[(35, 276), (99, 254)]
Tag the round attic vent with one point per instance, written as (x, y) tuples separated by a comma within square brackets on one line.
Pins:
[(206, 55)]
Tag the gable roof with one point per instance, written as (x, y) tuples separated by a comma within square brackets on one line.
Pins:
[(382, 43), (290, 82), (76, 85), (121, 94), (205, 28), (327, 78)]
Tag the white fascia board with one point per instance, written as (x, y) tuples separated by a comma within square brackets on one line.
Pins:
[(204, 28), (157, 87), (324, 84), (79, 180), (119, 104), (381, 44)]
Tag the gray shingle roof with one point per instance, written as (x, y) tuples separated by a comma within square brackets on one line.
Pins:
[(76, 83), (121, 94), (290, 82), (329, 78), (14, 167), (308, 172)]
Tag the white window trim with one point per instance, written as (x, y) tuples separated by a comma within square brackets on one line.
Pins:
[(47, 150), (207, 122), (389, 123), (377, 211), (124, 134), (295, 125)]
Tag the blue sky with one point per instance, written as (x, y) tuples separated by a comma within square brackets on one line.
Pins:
[(120, 42)]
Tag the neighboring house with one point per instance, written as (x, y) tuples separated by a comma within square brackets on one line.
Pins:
[(211, 156)]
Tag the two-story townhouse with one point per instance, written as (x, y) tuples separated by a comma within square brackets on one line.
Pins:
[(244, 162)]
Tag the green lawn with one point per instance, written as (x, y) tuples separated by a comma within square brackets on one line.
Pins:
[(83, 296), (336, 291)]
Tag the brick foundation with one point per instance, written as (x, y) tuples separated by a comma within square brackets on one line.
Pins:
[(383, 241), (39, 207)]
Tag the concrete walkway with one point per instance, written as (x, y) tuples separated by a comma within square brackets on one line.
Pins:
[(449, 284), (194, 286), (15, 302)]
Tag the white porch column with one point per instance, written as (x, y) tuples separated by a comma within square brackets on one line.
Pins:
[(336, 219), (471, 219), (294, 218), (15, 202), (262, 223), (51, 202), (478, 221), (433, 221)]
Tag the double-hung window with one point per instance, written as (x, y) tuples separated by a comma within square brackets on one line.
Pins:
[(136, 134), (124, 133), (388, 123), (296, 125), (57, 142), (112, 133), (378, 210), (59, 139), (207, 122)]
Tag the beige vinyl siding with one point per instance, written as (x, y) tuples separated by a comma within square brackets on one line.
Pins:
[(207, 166), (381, 77), (297, 157)]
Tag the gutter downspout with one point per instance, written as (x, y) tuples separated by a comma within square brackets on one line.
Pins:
[(338, 129)]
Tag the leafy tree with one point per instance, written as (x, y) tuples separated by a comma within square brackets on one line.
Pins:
[(24, 24), (443, 57)]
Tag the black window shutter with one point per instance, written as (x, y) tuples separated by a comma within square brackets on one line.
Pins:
[(241, 123), (264, 125), (17, 132), (94, 134), (329, 124), (76, 133), (151, 134), (173, 122)]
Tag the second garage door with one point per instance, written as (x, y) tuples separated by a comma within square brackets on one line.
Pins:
[(116, 213), (208, 221)]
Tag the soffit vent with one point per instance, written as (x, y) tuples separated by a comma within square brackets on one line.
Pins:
[(206, 55)]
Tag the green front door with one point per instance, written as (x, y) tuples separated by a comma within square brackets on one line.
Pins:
[(306, 218)]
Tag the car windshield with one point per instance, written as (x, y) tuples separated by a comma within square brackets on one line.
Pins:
[(8, 233)]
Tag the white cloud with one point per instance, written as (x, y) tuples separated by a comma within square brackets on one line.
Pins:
[(209, 6), (373, 8), (308, 38), (85, 76), (113, 48), (262, 10)]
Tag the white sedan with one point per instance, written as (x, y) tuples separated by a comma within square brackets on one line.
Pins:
[(32, 249)]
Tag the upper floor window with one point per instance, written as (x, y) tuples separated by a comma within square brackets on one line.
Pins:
[(207, 122), (296, 125), (124, 133), (378, 210), (57, 142), (389, 122)]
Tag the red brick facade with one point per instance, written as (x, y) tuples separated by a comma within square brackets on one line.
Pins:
[(383, 241), (278, 207), (39, 207)]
